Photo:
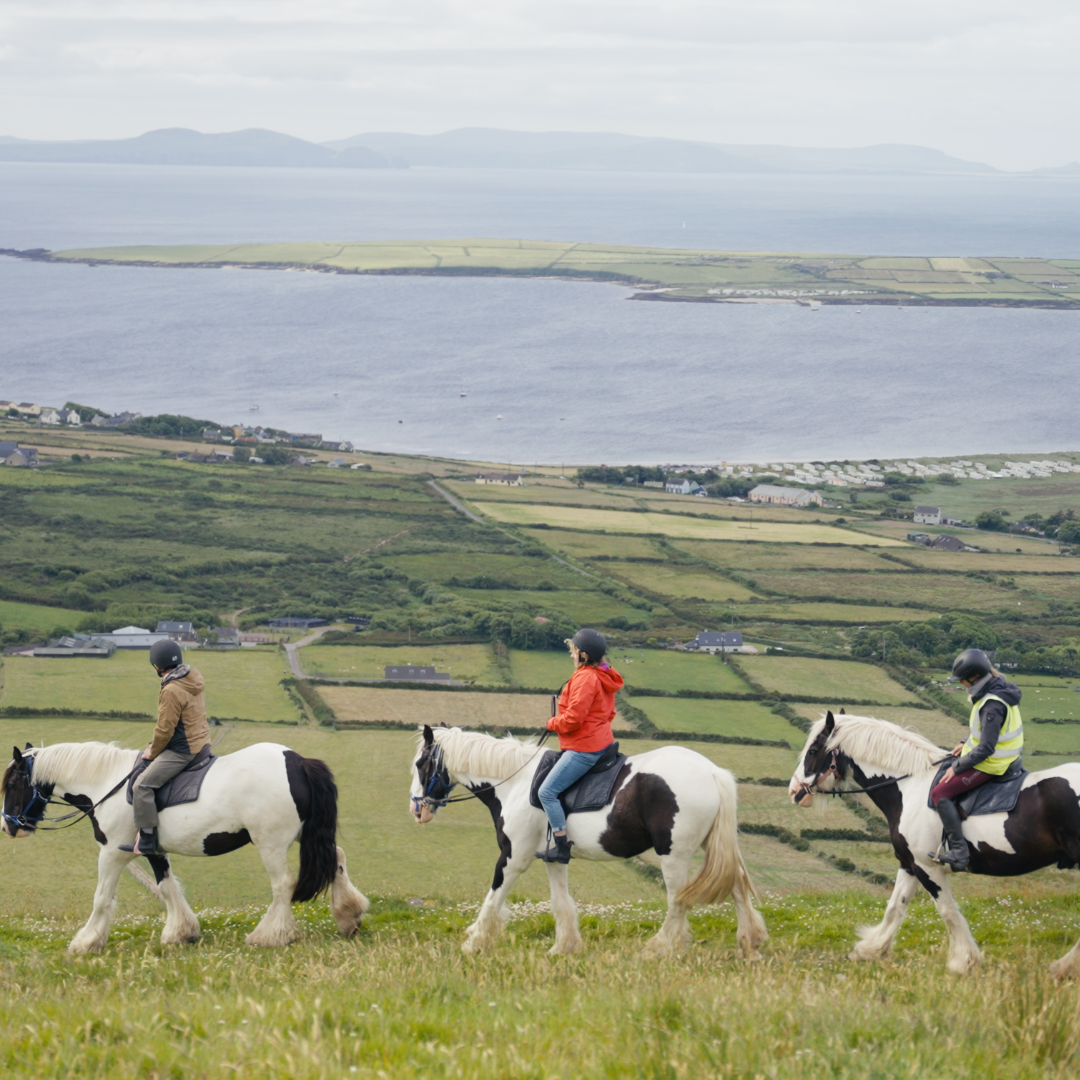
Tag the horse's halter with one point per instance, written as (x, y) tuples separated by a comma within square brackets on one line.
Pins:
[(28, 818), (437, 790), (832, 769)]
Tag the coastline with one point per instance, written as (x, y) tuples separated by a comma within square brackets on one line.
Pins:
[(668, 275)]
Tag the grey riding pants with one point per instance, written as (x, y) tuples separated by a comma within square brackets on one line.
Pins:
[(160, 771)]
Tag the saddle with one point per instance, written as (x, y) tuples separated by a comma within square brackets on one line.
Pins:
[(184, 787), (997, 797), (591, 792)]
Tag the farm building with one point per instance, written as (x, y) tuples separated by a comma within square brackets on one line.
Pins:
[(422, 672), (21, 457), (178, 631), (674, 486), (133, 637), (927, 515), (81, 646), (505, 479), (784, 496)]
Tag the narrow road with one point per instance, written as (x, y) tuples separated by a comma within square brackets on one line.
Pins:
[(290, 649), (455, 504)]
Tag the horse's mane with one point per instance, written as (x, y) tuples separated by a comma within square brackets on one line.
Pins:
[(881, 742), (89, 762), (478, 754)]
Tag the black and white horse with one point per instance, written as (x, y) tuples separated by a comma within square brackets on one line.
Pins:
[(671, 800), (1042, 830), (265, 794)]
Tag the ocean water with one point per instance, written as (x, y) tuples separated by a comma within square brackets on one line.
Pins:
[(551, 371)]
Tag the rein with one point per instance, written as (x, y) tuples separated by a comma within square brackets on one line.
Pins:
[(814, 790), (23, 821)]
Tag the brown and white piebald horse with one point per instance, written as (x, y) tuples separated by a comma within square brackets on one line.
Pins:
[(897, 766), (265, 794)]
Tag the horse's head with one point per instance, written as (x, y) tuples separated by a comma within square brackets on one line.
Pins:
[(820, 768), (431, 782), (24, 802)]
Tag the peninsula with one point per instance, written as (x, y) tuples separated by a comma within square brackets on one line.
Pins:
[(660, 274)]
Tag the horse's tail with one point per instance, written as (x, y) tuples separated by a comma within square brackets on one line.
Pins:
[(318, 836), (723, 864)]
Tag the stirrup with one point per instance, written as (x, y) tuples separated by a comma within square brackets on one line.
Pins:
[(946, 857), (560, 853)]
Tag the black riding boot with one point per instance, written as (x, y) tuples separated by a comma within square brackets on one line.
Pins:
[(148, 843), (560, 853), (958, 854)]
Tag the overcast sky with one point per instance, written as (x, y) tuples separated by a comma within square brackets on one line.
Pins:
[(987, 80)]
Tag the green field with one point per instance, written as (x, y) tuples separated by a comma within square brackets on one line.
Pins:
[(689, 273), (743, 719), (675, 525), (465, 663), (398, 999), (585, 545), (681, 582), (242, 683), (813, 611), (17, 616), (737, 556), (935, 592), (796, 676)]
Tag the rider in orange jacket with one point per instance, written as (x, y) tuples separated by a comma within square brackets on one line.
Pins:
[(583, 723)]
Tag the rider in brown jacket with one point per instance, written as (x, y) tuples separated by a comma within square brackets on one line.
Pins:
[(180, 733)]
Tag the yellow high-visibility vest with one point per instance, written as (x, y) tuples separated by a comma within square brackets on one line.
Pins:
[(1010, 742)]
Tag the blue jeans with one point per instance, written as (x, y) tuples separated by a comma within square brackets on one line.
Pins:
[(573, 765)]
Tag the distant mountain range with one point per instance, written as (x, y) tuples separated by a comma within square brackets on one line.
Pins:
[(492, 148)]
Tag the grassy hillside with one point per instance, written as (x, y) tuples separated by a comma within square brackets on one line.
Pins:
[(688, 274)]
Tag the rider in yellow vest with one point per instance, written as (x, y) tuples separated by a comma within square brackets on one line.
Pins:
[(993, 749)]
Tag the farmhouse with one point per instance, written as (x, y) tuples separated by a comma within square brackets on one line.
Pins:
[(927, 515), (683, 487), (424, 672), (22, 457), (177, 631), (506, 479), (784, 496), (720, 642)]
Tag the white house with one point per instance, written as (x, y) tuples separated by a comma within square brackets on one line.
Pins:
[(784, 496), (927, 515), (505, 479), (49, 416)]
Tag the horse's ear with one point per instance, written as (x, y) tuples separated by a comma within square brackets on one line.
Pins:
[(843, 711), (443, 724), (429, 736), (830, 722), (29, 746), (16, 755)]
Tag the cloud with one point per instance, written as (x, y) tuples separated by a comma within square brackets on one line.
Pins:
[(990, 80)]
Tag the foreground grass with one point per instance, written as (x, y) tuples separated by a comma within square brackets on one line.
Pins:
[(402, 1000)]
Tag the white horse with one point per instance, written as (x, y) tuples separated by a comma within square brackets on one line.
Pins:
[(898, 766), (265, 794), (670, 800)]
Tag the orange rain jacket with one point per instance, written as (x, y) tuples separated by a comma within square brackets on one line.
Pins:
[(586, 709)]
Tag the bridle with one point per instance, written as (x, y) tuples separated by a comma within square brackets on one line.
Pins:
[(833, 769), (440, 778), (30, 819)]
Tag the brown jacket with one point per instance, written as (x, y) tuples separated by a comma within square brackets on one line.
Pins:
[(181, 723)]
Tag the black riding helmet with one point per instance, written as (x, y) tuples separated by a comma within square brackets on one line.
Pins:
[(165, 655), (592, 643), (971, 664)]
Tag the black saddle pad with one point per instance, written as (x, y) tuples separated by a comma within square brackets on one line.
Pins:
[(997, 797), (182, 788), (592, 791)]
